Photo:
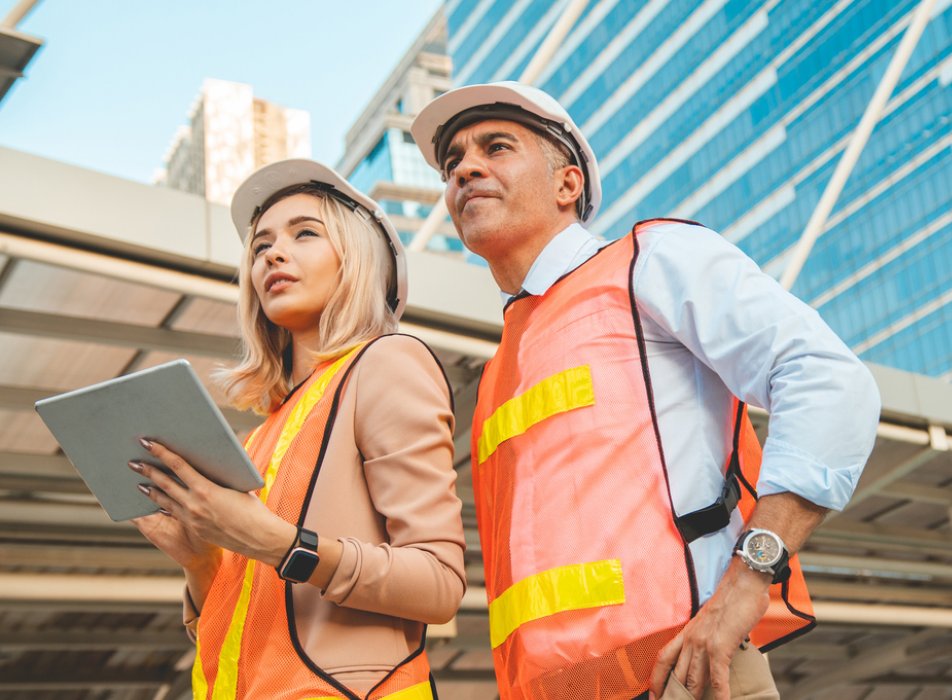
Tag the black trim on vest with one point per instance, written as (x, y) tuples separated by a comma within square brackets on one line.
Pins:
[(717, 516), (419, 650), (523, 294), (643, 352), (689, 222), (785, 596), (288, 595)]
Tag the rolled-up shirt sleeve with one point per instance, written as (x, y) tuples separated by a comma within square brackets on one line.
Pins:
[(404, 430), (771, 350)]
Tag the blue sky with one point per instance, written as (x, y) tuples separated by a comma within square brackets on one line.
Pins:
[(115, 78)]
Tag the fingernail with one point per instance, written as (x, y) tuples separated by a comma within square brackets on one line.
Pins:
[(143, 488), (136, 466), (145, 443), (163, 511)]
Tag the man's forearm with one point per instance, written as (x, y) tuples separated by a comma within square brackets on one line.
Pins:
[(793, 518)]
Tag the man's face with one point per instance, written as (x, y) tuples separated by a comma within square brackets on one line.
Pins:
[(500, 190)]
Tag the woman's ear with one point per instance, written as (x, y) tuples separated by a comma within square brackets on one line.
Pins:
[(570, 183)]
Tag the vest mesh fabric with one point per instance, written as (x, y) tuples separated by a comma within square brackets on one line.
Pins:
[(569, 476), (269, 663)]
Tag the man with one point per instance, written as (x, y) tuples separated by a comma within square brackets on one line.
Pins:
[(614, 471)]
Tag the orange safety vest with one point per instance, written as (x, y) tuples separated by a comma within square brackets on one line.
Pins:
[(588, 571), (247, 642)]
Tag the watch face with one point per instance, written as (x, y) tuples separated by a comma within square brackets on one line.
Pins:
[(763, 549), (299, 566)]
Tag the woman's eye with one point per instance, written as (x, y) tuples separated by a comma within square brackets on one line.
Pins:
[(260, 248), (307, 232)]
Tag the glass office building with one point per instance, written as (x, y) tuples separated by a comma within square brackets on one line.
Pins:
[(380, 156), (734, 113)]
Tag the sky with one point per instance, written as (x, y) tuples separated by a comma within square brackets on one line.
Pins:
[(116, 78)]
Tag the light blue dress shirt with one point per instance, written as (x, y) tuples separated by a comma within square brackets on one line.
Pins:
[(716, 326)]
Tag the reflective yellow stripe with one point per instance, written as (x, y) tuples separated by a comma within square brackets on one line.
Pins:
[(420, 691), (575, 587), (565, 391), (298, 415), (199, 684), (226, 680), (249, 441)]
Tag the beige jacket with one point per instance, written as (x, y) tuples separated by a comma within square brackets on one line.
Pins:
[(387, 492)]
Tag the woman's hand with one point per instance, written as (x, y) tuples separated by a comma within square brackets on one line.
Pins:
[(181, 544), (203, 511)]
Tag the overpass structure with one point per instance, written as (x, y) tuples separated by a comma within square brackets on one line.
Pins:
[(101, 276)]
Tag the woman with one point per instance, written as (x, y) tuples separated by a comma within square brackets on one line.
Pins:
[(320, 585)]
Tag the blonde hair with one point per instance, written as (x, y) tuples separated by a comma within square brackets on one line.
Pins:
[(357, 310)]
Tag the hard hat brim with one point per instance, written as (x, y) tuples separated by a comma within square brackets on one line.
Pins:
[(260, 185), (428, 127)]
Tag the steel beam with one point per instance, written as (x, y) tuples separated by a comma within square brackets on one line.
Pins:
[(825, 589), (921, 493), (78, 678), (874, 566), (42, 484), (33, 555), (890, 476), (144, 590), (35, 465), (872, 535), (28, 512), (88, 330), (907, 652), (65, 640)]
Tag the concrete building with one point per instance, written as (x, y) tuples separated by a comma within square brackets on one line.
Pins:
[(735, 114), (380, 156), (230, 134)]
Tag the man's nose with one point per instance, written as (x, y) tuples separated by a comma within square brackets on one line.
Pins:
[(468, 168)]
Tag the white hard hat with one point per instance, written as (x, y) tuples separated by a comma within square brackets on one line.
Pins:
[(435, 125), (263, 183)]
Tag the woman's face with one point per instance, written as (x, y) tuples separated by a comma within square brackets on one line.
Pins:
[(294, 268)]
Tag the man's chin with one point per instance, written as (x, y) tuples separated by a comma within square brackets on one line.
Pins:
[(475, 237)]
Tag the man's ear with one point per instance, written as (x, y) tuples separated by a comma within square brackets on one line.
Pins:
[(570, 183)]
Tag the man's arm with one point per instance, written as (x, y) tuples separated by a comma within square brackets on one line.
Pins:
[(701, 654), (773, 351)]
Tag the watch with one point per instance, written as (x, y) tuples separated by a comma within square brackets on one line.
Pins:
[(301, 560), (764, 551)]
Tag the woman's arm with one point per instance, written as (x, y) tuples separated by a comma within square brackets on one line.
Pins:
[(404, 430)]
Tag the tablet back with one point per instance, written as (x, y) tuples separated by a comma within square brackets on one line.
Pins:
[(99, 428)]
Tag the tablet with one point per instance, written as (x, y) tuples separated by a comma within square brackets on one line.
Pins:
[(99, 428)]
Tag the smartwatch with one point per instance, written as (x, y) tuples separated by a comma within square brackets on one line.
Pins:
[(301, 560), (765, 552)]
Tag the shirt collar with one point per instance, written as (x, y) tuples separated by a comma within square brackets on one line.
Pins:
[(569, 248)]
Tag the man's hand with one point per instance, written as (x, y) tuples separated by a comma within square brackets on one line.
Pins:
[(701, 654)]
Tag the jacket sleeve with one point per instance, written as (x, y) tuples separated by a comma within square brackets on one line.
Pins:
[(404, 431)]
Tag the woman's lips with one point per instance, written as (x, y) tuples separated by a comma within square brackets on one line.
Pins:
[(278, 282)]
